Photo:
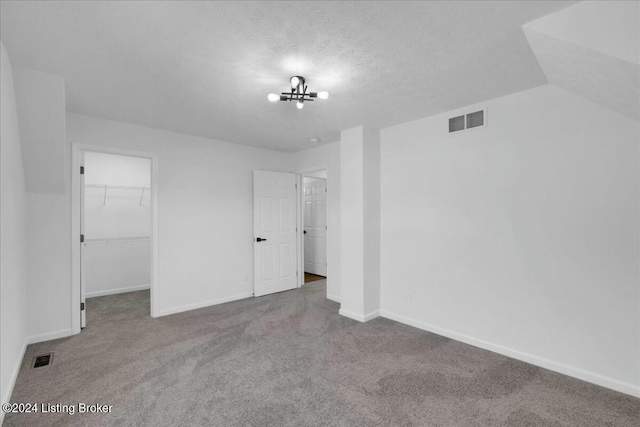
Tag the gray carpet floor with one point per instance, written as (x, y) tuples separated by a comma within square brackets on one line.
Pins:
[(289, 359)]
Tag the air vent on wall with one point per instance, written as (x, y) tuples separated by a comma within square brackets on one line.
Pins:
[(456, 124), (467, 121)]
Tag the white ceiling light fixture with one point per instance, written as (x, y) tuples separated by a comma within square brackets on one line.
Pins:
[(298, 93)]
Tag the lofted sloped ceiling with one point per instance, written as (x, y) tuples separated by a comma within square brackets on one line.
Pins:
[(592, 49), (205, 68)]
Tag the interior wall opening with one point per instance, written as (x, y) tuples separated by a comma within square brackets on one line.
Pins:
[(314, 225), (115, 253)]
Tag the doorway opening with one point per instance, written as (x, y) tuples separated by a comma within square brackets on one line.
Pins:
[(115, 217), (115, 254), (314, 225)]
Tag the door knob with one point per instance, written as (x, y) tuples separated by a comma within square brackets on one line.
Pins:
[(260, 239), (305, 231)]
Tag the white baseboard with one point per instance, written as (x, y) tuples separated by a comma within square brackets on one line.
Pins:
[(359, 317), (203, 304), (14, 377), (592, 377), (116, 291), (351, 315), (63, 333), (333, 298), (372, 315)]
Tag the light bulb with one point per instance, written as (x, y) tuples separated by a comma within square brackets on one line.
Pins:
[(323, 95), (295, 81), (300, 105), (273, 97)]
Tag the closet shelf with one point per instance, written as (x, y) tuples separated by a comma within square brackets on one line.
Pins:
[(118, 187), (113, 240)]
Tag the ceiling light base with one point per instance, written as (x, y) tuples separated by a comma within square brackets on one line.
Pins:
[(298, 93)]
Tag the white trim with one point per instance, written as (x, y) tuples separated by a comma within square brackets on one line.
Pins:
[(63, 333), (372, 315), (14, 377), (351, 315), (333, 298), (75, 233), (592, 377), (299, 231), (359, 317), (76, 149), (203, 304), (117, 291), (300, 228), (155, 238)]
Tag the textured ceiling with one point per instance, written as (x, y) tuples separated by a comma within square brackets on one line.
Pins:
[(205, 68)]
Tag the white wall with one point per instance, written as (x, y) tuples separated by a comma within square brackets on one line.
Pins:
[(49, 254), (360, 221), (114, 266), (371, 221), (609, 27), (124, 213), (327, 157), (205, 208), (317, 174), (111, 169), (40, 100), (521, 237), (13, 234), (41, 108), (352, 222)]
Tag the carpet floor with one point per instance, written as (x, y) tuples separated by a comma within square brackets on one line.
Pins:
[(289, 359)]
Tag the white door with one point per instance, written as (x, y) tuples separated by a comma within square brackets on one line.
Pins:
[(315, 226), (83, 305), (274, 226)]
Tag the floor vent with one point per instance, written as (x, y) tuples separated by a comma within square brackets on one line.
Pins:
[(42, 360)]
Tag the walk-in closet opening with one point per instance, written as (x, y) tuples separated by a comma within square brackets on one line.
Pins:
[(116, 237), (314, 221)]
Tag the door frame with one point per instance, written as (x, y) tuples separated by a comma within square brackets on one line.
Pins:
[(76, 150), (300, 180)]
